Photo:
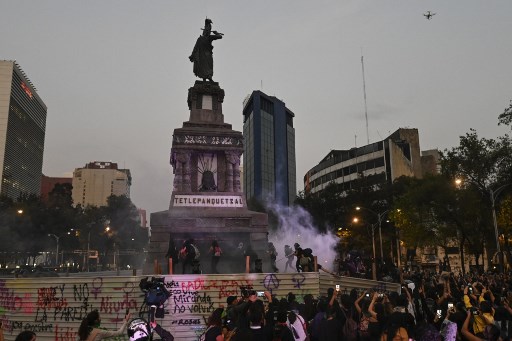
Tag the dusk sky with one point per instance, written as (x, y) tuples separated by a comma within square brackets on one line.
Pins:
[(115, 74)]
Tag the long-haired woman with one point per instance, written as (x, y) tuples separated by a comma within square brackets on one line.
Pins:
[(89, 328)]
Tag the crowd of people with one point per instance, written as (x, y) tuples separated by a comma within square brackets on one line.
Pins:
[(429, 307)]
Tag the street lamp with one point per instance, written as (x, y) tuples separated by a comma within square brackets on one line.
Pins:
[(379, 219), (374, 265), (493, 195), (57, 251)]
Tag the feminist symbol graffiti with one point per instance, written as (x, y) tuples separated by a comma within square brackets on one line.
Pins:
[(298, 279)]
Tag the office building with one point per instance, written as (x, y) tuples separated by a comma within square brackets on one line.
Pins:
[(269, 150), (22, 132), (95, 182), (379, 162)]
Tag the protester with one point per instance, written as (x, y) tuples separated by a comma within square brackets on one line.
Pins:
[(428, 307), (188, 254), (289, 254), (216, 252), (214, 326), (272, 252), (138, 331), (89, 328), (25, 335)]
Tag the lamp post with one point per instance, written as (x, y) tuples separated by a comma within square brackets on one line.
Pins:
[(57, 251), (379, 219), (493, 195), (88, 248), (374, 265)]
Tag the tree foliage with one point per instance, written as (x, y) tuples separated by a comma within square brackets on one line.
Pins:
[(506, 117), (34, 226), (484, 162)]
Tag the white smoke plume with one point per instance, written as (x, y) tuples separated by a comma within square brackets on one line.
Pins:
[(296, 226)]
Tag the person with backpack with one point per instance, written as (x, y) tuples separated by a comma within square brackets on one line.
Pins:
[(216, 252), (188, 253), (298, 254), (289, 254)]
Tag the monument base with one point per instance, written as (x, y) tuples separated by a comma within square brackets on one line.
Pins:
[(238, 231)]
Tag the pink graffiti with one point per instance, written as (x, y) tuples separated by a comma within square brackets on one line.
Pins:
[(8, 300), (110, 305)]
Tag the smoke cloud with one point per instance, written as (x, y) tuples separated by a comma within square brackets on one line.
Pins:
[(296, 226)]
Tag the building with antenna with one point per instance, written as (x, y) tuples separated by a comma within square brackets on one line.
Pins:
[(22, 132), (269, 150), (379, 162), (96, 181)]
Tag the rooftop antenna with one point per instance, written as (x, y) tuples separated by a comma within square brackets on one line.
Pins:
[(261, 85), (364, 96)]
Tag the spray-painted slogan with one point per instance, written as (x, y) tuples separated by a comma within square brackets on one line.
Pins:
[(55, 307)]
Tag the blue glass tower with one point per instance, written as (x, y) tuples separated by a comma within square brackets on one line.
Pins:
[(269, 150)]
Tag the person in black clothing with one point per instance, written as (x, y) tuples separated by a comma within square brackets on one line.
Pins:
[(281, 330), (164, 335), (214, 328), (187, 254), (257, 329), (401, 317), (330, 327), (298, 254), (26, 335), (272, 252)]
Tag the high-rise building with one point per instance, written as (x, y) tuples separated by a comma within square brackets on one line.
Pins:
[(379, 162), (269, 150), (22, 131), (95, 182)]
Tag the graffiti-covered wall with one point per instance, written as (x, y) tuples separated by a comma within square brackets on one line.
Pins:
[(54, 307)]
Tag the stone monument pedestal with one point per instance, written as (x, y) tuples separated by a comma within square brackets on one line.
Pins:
[(207, 203)]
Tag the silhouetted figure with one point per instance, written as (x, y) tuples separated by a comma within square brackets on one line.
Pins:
[(240, 257), (216, 252), (306, 260), (298, 254), (258, 266), (196, 267), (272, 252), (202, 55), (187, 254), (26, 335)]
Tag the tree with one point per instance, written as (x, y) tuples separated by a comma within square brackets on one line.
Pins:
[(483, 164), (504, 218), (506, 117), (124, 222)]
